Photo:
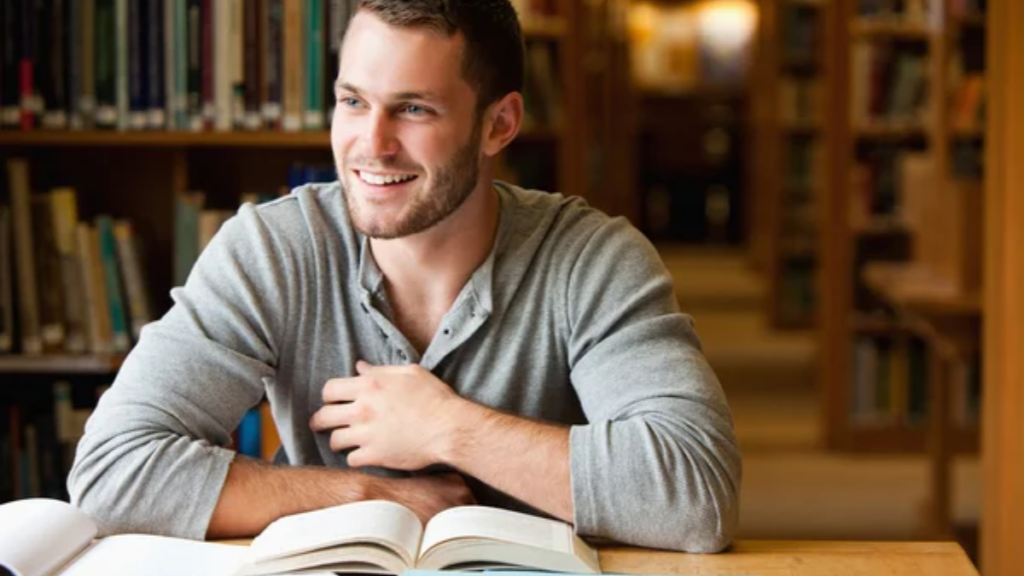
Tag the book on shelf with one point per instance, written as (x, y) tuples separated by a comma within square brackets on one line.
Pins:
[(194, 65), (42, 537), (890, 85)]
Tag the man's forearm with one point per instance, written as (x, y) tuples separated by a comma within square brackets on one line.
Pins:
[(255, 494), (527, 460)]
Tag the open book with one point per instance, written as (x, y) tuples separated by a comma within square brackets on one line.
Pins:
[(48, 538)]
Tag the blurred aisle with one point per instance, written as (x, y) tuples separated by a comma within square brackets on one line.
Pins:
[(791, 487)]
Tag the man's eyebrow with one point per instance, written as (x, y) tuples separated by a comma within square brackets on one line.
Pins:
[(410, 95)]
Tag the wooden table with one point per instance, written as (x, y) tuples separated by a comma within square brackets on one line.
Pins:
[(950, 322), (767, 558)]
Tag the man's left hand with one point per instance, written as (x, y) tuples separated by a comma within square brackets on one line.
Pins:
[(394, 416)]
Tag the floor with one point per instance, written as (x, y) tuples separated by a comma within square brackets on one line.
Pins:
[(792, 488)]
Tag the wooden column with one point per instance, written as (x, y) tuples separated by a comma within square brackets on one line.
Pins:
[(1002, 521)]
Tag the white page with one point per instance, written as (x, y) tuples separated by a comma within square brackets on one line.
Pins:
[(376, 521), (144, 555), (38, 535), (497, 524)]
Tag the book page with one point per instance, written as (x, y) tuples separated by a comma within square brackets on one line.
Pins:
[(375, 521), (38, 536), (497, 524), (134, 554)]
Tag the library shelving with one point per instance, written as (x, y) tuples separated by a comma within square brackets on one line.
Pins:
[(149, 151), (790, 135), (901, 221)]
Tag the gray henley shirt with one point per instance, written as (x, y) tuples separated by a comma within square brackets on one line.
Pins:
[(571, 319)]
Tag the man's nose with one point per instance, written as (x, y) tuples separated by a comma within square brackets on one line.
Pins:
[(380, 140)]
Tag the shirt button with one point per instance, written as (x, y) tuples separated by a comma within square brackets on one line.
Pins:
[(401, 354), (447, 331)]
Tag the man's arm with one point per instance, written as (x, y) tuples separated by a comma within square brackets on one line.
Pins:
[(255, 494)]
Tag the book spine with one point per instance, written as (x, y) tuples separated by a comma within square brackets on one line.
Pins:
[(169, 64), (156, 117), (136, 71), (28, 299), (97, 321), (251, 56), (293, 64), (6, 283), (74, 65), (10, 42), (221, 73), (26, 66), (106, 65), (64, 212), (195, 64), (182, 62), (87, 60), (313, 118), (56, 113), (42, 50), (121, 39), (237, 62), (131, 265), (208, 24), (47, 261), (273, 58), (111, 276)]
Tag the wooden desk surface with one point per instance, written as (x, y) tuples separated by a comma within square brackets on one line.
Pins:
[(810, 558), (792, 558)]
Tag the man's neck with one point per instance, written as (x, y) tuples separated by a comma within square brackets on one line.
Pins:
[(425, 273)]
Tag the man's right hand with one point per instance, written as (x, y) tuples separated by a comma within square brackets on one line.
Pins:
[(427, 494)]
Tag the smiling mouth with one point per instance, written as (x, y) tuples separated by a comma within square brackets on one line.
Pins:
[(384, 179)]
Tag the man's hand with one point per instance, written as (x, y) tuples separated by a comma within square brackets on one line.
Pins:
[(426, 494), (394, 416)]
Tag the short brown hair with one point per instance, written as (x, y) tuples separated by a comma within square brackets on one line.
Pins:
[(493, 59)]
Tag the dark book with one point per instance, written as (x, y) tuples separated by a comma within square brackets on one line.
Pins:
[(10, 64), (72, 54), (105, 68), (155, 88), (273, 58), (194, 82), (138, 105), (251, 58)]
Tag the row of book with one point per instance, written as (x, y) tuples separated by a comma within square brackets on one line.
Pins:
[(917, 12), (890, 383), (38, 439), (885, 182), (73, 286), (890, 84), (187, 64)]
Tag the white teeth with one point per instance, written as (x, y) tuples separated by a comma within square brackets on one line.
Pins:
[(380, 180)]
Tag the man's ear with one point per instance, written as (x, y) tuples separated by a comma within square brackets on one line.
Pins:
[(502, 121)]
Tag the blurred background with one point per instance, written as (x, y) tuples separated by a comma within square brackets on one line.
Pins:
[(811, 171)]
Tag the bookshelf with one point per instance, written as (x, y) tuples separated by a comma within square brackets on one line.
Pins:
[(900, 274), (144, 176), (789, 124)]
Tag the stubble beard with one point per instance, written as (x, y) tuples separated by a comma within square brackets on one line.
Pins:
[(452, 187)]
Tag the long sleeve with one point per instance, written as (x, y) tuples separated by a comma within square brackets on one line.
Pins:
[(153, 458), (658, 464)]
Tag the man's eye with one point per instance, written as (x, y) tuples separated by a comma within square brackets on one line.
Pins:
[(349, 101), (415, 110)]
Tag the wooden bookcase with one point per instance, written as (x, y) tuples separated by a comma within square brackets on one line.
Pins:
[(902, 233), (138, 175), (789, 121)]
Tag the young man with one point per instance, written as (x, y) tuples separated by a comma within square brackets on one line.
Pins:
[(424, 334)]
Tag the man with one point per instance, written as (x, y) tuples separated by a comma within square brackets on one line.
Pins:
[(424, 334)]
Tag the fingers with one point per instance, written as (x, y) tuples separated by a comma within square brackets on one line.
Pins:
[(345, 438), (339, 415)]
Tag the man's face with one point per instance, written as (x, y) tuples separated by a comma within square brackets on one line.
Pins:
[(405, 134)]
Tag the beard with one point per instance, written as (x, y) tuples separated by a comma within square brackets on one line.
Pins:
[(453, 183)]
